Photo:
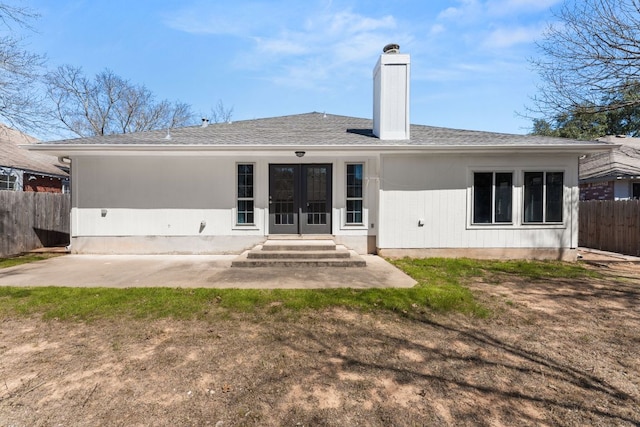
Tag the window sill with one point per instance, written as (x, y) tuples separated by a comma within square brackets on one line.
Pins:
[(245, 227), (353, 227), (509, 226), (543, 225)]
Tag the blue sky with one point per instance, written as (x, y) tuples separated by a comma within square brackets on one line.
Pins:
[(470, 66)]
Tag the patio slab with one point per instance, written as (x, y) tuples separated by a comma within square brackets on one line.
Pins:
[(196, 271)]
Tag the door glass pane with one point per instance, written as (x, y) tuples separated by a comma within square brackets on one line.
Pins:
[(482, 185), (554, 196), (533, 191), (504, 194), (316, 195), (283, 197)]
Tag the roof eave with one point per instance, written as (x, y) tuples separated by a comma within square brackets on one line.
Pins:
[(90, 149)]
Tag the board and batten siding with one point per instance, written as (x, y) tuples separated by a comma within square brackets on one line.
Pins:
[(436, 189)]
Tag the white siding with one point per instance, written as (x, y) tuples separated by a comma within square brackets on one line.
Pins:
[(391, 79), (437, 188), (136, 196), (174, 195)]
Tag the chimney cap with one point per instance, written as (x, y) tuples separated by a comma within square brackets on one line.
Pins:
[(391, 48)]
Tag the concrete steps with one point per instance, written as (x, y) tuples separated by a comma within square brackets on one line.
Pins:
[(299, 253)]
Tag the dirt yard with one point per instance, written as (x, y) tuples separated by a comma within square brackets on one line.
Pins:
[(555, 353)]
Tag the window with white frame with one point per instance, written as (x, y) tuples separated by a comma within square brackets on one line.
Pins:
[(354, 193), (543, 197), (7, 181), (245, 194), (492, 197)]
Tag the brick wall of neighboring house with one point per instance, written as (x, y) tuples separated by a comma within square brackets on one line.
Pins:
[(597, 190), (42, 184)]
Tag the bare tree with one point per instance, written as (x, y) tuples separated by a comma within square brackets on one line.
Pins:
[(589, 57), (109, 104), (221, 114), (138, 111), (20, 70)]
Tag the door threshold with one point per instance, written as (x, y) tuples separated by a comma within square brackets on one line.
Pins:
[(300, 237)]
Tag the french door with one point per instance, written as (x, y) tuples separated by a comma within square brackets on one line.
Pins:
[(300, 199)]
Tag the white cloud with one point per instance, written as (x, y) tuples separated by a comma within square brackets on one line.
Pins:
[(342, 23), (233, 18), (437, 29), (510, 7), (321, 47), (285, 45), (478, 11), (320, 44), (468, 10), (496, 25), (293, 43), (501, 38), (191, 21)]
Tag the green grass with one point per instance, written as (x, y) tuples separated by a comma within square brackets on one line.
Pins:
[(441, 288), (23, 259), (539, 270)]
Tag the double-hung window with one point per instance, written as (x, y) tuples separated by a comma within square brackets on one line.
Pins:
[(492, 197), (354, 193), (543, 197), (245, 194), (7, 181)]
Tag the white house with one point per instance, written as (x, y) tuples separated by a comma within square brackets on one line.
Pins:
[(374, 185)]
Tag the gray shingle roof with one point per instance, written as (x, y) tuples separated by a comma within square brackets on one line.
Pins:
[(623, 161), (313, 129), (12, 156)]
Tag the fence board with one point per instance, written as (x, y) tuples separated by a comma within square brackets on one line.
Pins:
[(33, 220), (610, 225)]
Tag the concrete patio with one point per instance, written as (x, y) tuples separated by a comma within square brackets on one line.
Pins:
[(196, 271)]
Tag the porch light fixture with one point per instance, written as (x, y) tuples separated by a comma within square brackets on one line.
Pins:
[(300, 153)]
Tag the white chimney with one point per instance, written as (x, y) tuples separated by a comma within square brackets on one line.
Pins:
[(391, 94)]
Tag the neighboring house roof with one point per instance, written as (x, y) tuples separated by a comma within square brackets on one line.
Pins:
[(15, 157), (621, 162), (312, 130)]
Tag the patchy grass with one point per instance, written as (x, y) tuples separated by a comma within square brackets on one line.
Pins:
[(153, 303), (539, 270), (441, 288), (24, 259), (454, 270)]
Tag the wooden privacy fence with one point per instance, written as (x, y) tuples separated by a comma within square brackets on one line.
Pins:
[(610, 225), (33, 220)]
